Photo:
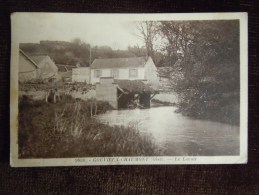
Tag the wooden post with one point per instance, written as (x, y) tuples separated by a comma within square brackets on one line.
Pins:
[(95, 112), (54, 97), (90, 60), (91, 110), (47, 97)]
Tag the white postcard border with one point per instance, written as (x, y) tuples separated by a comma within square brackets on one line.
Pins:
[(139, 160)]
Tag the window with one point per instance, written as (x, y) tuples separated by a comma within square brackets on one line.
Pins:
[(133, 73), (97, 73), (115, 73)]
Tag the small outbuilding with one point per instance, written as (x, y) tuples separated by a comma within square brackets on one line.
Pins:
[(81, 75), (124, 94), (65, 72)]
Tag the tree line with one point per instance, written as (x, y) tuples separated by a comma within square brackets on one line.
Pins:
[(204, 56)]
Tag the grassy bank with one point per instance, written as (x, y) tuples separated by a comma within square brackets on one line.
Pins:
[(227, 112), (69, 129)]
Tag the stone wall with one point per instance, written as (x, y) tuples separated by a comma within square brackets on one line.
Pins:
[(107, 91)]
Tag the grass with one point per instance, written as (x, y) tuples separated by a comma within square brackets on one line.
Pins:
[(69, 129)]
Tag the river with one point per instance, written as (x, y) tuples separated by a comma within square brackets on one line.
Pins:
[(177, 134)]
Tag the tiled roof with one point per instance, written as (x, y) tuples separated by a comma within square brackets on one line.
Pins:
[(61, 68), (38, 58), (65, 67), (70, 67), (119, 62), (29, 58)]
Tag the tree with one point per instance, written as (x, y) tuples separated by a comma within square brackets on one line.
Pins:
[(137, 51), (148, 33), (206, 75)]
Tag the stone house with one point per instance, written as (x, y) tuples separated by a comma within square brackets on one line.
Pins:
[(134, 68)]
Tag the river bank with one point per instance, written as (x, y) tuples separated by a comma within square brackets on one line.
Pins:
[(69, 128)]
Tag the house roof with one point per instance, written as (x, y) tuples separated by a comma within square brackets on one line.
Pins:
[(70, 67), (119, 62), (134, 86), (65, 67), (29, 58), (61, 68), (38, 58)]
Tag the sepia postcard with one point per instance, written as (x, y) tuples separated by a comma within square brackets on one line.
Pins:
[(128, 89)]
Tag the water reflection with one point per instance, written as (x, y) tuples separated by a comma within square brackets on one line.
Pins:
[(177, 134)]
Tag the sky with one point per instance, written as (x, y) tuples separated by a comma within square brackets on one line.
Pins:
[(96, 30)]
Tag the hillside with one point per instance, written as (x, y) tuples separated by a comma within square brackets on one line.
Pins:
[(77, 52)]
